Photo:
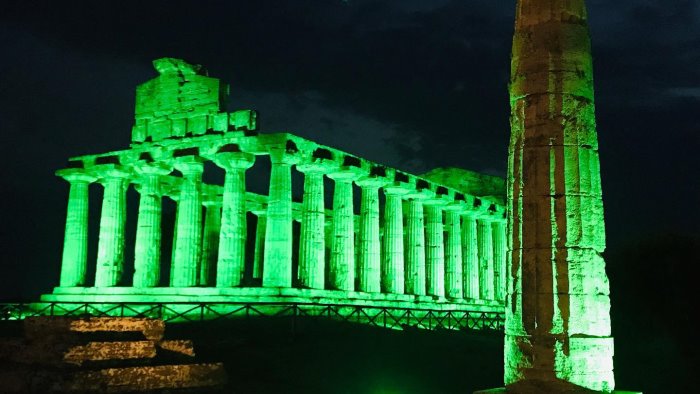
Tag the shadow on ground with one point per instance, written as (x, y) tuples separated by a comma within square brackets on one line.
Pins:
[(275, 356)]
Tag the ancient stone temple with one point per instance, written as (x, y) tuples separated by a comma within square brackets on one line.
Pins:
[(424, 244)]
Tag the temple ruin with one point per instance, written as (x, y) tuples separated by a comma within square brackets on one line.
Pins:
[(431, 245)]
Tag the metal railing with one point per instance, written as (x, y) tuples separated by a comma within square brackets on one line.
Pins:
[(386, 317)]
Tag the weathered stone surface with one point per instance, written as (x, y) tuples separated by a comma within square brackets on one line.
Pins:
[(558, 308), (58, 355), (100, 351), (183, 347), (180, 128), (37, 328), (115, 380)]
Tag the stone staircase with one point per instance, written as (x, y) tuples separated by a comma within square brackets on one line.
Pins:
[(102, 354)]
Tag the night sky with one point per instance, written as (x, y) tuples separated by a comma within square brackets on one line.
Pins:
[(414, 84)]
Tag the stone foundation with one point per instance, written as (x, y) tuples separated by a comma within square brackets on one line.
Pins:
[(101, 354)]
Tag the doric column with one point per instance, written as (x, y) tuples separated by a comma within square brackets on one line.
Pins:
[(231, 261), (557, 330), (486, 274), (498, 228), (415, 248), (434, 248), (342, 264), (110, 247), (148, 235), (393, 273), (470, 255), (312, 249), (188, 243), (259, 258), (453, 251), (210, 241), (369, 255), (74, 262), (277, 270)]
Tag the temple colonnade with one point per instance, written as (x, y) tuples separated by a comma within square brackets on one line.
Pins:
[(426, 239)]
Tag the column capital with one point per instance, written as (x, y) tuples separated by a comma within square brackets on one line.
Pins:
[(282, 156), (76, 175), (455, 206), (110, 171), (436, 201), (143, 167), (317, 166), (397, 188), (189, 165), (234, 160), (346, 174), (482, 215), (371, 182), (422, 195)]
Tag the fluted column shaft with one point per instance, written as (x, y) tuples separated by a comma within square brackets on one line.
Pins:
[(110, 248), (188, 244), (210, 242), (435, 250), (470, 256), (486, 274), (498, 229), (392, 278), (277, 270), (342, 265), (231, 261), (415, 248), (148, 234), (312, 249), (453, 255), (74, 262), (259, 258), (369, 256)]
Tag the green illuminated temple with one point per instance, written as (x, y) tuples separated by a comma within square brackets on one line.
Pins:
[(426, 244)]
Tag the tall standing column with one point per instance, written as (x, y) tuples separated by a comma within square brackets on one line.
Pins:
[(312, 248), (148, 234), (110, 247), (210, 241), (231, 261), (415, 248), (188, 243), (486, 277), (498, 228), (393, 272), (277, 270), (470, 255), (435, 249), (259, 258), (453, 252), (369, 255), (74, 262), (558, 306), (342, 265)]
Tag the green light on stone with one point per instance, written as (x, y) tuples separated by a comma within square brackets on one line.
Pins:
[(557, 306), (411, 258)]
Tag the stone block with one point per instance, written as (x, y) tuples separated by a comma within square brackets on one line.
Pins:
[(144, 378), (179, 127), (182, 347), (197, 125), (101, 351), (244, 120), (219, 121), (38, 328), (160, 129)]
